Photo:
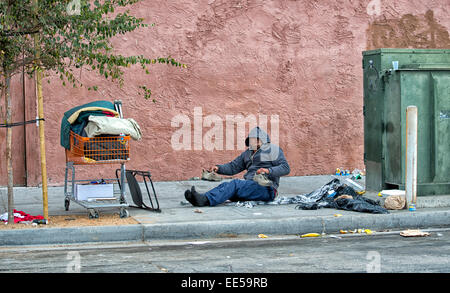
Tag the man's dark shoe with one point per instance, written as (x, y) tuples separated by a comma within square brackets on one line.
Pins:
[(199, 199), (188, 196)]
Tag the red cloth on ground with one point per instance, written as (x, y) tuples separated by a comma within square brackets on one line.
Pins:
[(26, 217)]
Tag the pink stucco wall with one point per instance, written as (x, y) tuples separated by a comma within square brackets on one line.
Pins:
[(300, 60)]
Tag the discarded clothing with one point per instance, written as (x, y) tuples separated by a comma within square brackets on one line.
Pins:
[(20, 216), (329, 195)]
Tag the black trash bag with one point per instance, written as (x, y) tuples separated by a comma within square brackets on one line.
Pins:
[(317, 198), (308, 206), (344, 189), (358, 204), (324, 198)]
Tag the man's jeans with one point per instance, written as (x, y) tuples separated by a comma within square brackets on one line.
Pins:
[(239, 190)]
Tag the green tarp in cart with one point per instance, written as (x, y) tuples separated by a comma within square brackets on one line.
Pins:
[(76, 118)]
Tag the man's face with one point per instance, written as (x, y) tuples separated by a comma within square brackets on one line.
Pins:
[(254, 143)]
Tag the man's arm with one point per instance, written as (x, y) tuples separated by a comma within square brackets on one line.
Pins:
[(232, 168), (281, 166)]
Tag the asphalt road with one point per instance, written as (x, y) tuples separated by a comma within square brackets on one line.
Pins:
[(382, 252)]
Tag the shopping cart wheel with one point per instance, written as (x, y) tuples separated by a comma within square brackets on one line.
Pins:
[(93, 214), (124, 213), (66, 203)]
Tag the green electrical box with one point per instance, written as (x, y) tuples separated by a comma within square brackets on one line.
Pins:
[(393, 80)]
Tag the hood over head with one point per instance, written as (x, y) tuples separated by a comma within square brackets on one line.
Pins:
[(258, 133)]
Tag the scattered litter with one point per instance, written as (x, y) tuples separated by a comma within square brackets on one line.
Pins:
[(27, 222), (262, 236), (199, 242), (257, 214), (368, 231), (341, 172), (414, 233), (323, 197), (184, 202), (395, 202), (20, 216), (310, 235), (335, 236), (246, 204), (356, 173), (337, 215), (439, 234), (390, 192), (357, 176), (354, 184), (40, 222), (357, 231), (198, 211)]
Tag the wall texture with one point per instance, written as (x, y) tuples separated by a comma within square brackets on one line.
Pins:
[(300, 60)]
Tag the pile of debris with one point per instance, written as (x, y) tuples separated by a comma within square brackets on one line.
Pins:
[(334, 195)]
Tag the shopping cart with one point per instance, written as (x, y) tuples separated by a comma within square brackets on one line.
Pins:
[(97, 151)]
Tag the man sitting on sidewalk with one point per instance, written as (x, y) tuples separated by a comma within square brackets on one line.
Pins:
[(265, 164)]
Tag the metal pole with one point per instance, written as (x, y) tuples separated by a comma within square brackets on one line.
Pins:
[(411, 155)]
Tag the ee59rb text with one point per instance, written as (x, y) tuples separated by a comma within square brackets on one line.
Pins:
[(246, 282)]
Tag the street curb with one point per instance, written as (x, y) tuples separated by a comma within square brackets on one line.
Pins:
[(69, 235), (191, 230), (297, 225)]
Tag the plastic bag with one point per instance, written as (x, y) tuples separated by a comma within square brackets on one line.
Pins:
[(353, 202)]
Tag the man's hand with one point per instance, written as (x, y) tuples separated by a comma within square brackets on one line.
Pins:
[(214, 169), (262, 170)]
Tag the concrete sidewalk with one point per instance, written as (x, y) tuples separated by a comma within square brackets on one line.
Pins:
[(179, 220)]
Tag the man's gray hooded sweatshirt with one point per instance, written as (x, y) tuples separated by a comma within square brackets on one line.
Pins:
[(268, 156)]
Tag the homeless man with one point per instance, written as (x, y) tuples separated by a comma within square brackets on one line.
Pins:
[(265, 164)]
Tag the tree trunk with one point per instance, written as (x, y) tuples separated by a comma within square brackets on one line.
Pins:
[(42, 142), (9, 168), (40, 99)]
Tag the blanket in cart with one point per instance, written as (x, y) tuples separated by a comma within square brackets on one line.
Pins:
[(114, 126), (76, 118)]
